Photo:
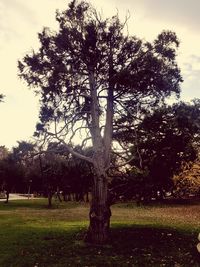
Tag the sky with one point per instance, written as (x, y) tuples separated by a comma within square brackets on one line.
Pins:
[(21, 20)]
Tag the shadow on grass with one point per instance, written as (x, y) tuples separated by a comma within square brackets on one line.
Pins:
[(149, 246), (129, 246)]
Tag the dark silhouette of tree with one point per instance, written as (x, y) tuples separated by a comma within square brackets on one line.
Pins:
[(4, 152), (12, 175), (53, 170), (88, 73), (79, 175), (166, 139), (22, 157), (56, 170), (17, 167)]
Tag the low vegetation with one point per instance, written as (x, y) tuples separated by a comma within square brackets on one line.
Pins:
[(33, 235)]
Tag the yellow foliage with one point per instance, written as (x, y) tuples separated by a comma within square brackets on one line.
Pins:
[(188, 181)]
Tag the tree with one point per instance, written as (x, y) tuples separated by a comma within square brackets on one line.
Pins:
[(4, 153), (12, 175), (52, 169), (79, 175), (166, 139), (86, 74), (187, 182)]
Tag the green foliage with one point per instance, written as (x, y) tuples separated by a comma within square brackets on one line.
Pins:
[(162, 141), (168, 140), (53, 169), (57, 169)]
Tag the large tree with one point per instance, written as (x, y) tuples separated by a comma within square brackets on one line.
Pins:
[(166, 139), (88, 73)]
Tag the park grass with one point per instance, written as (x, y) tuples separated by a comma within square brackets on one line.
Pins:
[(32, 235)]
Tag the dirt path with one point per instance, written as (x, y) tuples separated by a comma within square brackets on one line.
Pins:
[(14, 197)]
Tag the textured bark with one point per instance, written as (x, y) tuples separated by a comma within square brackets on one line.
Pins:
[(99, 215), (98, 231)]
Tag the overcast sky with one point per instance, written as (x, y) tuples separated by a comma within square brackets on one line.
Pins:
[(21, 20)]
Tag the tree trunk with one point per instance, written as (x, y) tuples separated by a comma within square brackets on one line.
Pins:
[(98, 231), (87, 197), (58, 194), (50, 195), (7, 196)]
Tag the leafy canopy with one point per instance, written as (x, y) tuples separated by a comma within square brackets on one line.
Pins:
[(125, 70)]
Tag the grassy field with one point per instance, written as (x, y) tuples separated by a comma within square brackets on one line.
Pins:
[(32, 235)]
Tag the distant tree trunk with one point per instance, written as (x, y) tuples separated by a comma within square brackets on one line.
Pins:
[(87, 197), (50, 195), (76, 197), (7, 196), (80, 196), (64, 195), (58, 194), (100, 213)]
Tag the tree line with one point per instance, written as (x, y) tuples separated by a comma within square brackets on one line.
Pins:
[(164, 161), (25, 170)]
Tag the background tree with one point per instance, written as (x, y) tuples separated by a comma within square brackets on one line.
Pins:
[(12, 175), (53, 170), (56, 170), (22, 157), (80, 175), (166, 139), (88, 73), (4, 152), (187, 182)]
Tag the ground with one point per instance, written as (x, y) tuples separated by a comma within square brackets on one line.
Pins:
[(32, 235)]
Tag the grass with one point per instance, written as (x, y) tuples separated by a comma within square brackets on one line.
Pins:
[(32, 235)]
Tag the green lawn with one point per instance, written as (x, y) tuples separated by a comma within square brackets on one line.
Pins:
[(32, 235)]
